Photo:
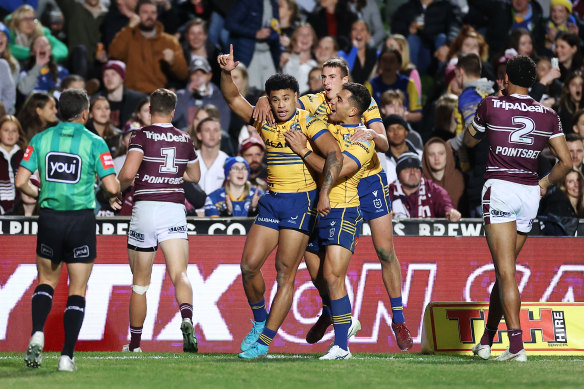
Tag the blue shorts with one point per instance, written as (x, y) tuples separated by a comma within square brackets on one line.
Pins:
[(374, 196), (295, 211), (340, 227)]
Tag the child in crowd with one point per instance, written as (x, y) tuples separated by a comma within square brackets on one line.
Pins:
[(12, 145), (99, 123), (560, 20)]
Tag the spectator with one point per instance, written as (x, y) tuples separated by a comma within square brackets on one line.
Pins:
[(571, 99), (237, 197), (252, 149), (24, 29), (446, 117), (396, 130), (470, 41), (361, 58), (38, 113), (212, 159), (209, 111), (83, 22), (99, 123), (72, 81), (255, 42), (314, 81), (414, 196), (199, 91), (560, 20), (393, 103), (12, 145), (576, 147), (24, 205), (439, 166), (408, 69), (289, 20), (151, 55), (561, 208), (368, 11), (474, 88), (123, 101), (333, 18), (326, 49), (6, 54), (578, 122), (197, 45), (7, 87), (41, 74), (520, 39), (120, 156), (142, 113), (547, 88), (300, 61), (569, 54)]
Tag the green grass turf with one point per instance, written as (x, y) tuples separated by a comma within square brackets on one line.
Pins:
[(406, 370)]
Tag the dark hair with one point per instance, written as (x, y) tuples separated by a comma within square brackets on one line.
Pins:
[(573, 137), (470, 63), (108, 131), (52, 65), (70, 79), (516, 35), (281, 81), (72, 103), (577, 115), (360, 97), (28, 117), (142, 2), (443, 110), (162, 101), (361, 21), (566, 104), (521, 71), (338, 63), (393, 51), (574, 41)]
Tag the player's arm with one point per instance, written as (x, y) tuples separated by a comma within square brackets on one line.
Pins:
[(130, 169), (23, 184), (110, 185), (262, 112), (559, 148), (472, 137), (192, 172), (235, 100), (333, 164), (375, 130)]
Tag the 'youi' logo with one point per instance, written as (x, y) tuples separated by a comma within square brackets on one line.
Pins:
[(63, 167)]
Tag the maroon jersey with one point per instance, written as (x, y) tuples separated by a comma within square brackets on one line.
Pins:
[(518, 129), (167, 151), (429, 201)]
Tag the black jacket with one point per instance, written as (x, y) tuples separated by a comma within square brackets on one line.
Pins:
[(345, 19), (130, 100)]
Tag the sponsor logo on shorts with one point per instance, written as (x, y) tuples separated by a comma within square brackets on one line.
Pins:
[(136, 235), (63, 167), (374, 193), (497, 213), (46, 251), (266, 220), (177, 230), (377, 203), (292, 220), (331, 232), (81, 252)]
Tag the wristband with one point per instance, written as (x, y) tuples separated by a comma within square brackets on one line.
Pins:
[(307, 154)]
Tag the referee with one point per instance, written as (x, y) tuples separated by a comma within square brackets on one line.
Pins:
[(68, 157)]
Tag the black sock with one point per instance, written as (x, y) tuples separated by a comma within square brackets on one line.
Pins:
[(42, 301), (72, 322)]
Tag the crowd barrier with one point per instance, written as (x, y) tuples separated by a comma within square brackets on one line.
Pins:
[(434, 268)]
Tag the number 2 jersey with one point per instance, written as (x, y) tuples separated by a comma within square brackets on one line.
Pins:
[(167, 151), (517, 128)]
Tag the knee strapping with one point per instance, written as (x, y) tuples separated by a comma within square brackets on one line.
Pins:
[(138, 289)]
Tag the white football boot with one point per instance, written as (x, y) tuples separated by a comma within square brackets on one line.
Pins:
[(508, 356), (336, 353), (34, 351), (66, 364), (483, 351)]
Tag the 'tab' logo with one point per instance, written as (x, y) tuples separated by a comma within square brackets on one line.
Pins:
[(63, 167)]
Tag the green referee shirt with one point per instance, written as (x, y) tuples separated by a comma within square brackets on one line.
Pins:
[(68, 156)]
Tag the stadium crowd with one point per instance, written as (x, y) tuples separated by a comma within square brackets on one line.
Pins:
[(427, 64)]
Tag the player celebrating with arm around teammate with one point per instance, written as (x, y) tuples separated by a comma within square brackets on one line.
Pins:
[(333, 241), (287, 211), (517, 129), (159, 158)]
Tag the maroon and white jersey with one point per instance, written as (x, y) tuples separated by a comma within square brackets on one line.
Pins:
[(167, 151), (518, 129)]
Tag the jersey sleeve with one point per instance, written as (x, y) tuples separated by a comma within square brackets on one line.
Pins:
[(308, 103), (479, 122), (137, 141), (192, 154), (30, 159), (557, 129), (414, 99), (372, 114), (468, 105), (314, 128), (104, 163), (360, 152)]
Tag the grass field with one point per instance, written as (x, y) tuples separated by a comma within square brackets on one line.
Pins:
[(163, 370)]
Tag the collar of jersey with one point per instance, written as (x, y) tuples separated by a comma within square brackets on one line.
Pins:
[(162, 124), (350, 125), (520, 96)]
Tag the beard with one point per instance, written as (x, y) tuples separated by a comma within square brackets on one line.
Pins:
[(149, 26)]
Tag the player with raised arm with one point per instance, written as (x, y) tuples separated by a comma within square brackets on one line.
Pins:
[(373, 193), (517, 129), (68, 157), (159, 158), (287, 211)]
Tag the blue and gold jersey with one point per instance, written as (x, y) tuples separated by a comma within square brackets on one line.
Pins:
[(286, 170), (318, 105), (344, 193)]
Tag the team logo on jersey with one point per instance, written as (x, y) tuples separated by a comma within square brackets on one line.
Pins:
[(63, 167), (81, 252), (107, 161), (295, 126), (28, 153)]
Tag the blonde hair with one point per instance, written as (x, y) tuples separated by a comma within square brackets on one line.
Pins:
[(404, 48), (17, 16), (296, 32), (22, 141)]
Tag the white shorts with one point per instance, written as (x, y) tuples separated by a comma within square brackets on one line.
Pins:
[(505, 201), (154, 222)]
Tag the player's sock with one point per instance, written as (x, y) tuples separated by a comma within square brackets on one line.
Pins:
[(326, 305), (186, 311), (135, 337), (515, 341), (72, 321), (267, 336), (341, 310), (42, 301), (259, 311), (488, 336), (397, 310)]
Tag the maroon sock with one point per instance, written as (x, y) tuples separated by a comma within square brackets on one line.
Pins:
[(135, 337), (186, 310), (515, 341), (488, 336)]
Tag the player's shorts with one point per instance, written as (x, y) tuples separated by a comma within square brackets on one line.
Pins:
[(340, 227), (296, 211), (153, 222), (374, 196), (67, 236), (505, 201)]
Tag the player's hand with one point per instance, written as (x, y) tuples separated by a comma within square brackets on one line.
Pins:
[(263, 33), (228, 204), (453, 215), (361, 134), (116, 202), (324, 205), (296, 140), (262, 112), (226, 61), (168, 56)]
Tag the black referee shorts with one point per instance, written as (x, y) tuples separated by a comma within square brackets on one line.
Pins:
[(66, 236)]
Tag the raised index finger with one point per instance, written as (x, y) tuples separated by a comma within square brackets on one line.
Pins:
[(231, 50)]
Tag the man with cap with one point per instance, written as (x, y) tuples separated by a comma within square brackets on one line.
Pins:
[(253, 150), (123, 101), (200, 91), (397, 130), (414, 196)]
